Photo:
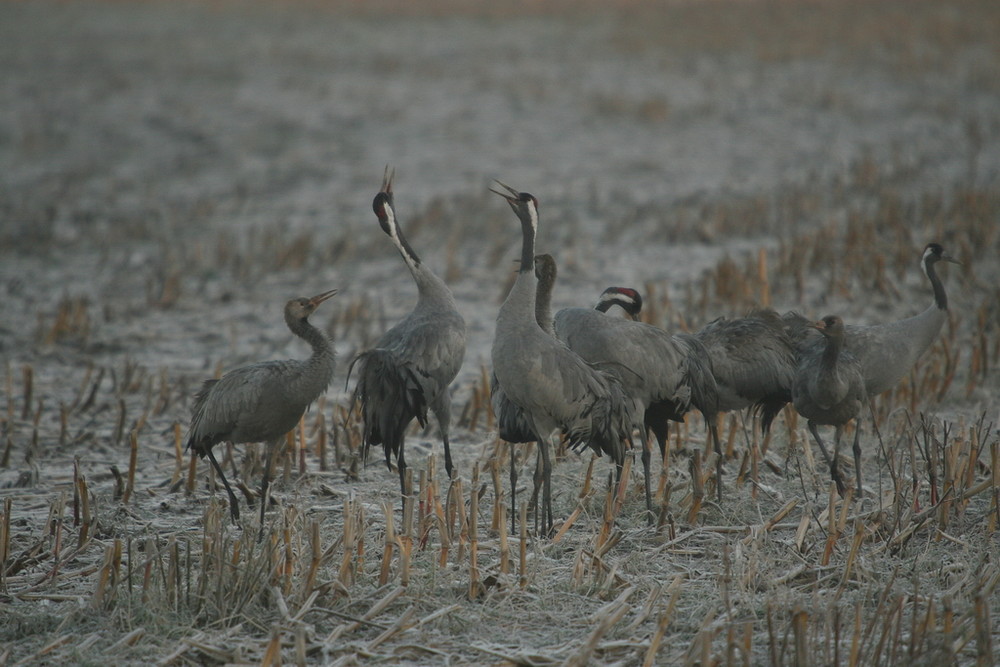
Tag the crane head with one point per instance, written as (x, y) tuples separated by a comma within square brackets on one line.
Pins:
[(830, 326), (524, 204), (626, 298), (303, 307), (934, 253), (384, 211), (383, 202)]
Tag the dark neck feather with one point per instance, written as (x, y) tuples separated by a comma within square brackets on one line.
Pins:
[(834, 344), (940, 298), (302, 328), (543, 303), (527, 247), (404, 246)]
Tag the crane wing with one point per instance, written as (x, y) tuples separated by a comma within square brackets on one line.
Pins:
[(648, 361), (227, 408)]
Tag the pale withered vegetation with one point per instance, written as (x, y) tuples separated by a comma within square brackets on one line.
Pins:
[(172, 173)]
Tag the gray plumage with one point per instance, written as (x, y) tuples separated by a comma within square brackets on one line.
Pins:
[(829, 389), (753, 361), (888, 351), (512, 423), (664, 374), (413, 364), (554, 387), (262, 402)]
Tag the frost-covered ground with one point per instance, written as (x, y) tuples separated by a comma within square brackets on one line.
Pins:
[(171, 173)]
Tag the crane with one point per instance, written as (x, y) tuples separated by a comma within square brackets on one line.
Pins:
[(753, 357), (262, 402), (753, 361), (512, 424), (665, 375), (829, 389), (888, 351), (412, 365), (554, 387)]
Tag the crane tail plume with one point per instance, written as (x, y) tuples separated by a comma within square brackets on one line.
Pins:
[(390, 397)]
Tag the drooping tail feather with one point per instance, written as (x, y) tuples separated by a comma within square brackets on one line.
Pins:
[(767, 410), (198, 442), (390, 396), (512, 424), (609, 426)]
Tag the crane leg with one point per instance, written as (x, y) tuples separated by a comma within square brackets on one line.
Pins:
[(834, 469), (713, 427), (536, 479), (546, 487), (401, 466), (442, 411), (646, 473), (661, 431), (272, 450), (513, 489), (857, 457), (234, 505)]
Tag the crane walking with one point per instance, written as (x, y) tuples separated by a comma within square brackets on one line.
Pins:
[(829, 389), (552, 385), (412, 365), (262, 402)]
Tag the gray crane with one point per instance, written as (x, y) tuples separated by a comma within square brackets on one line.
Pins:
[(413, 363), (262, 402), (829, 389), (753, 361), (753, 357), (884, 352), (665, 375), (512, 424), (553, 386), (888, 351)]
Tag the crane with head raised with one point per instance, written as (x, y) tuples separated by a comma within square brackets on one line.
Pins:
[(552, 385), (413, 364)]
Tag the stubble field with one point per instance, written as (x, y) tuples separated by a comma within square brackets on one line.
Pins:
[(172, 173)]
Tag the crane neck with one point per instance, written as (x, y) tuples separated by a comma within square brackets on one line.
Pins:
[(940, 297), (431, 289), (527, 247), (834, 345), (405, 249), (519, 306), (543, 303), (301, 327)]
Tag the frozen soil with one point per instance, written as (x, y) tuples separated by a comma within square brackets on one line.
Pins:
[(171, 173)]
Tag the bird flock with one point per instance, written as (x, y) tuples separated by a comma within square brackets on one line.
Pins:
[(593, 379)]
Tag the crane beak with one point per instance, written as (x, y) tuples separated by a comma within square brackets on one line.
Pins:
[(819, 326), (320, 298), (387, 179), (511, 195), (948, 258)]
